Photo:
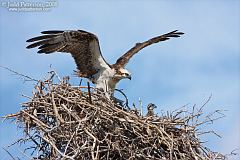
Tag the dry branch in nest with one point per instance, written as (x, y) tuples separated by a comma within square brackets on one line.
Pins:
[(67, 122)]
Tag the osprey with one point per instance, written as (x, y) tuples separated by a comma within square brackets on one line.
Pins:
[(150, 108), (84, 48)]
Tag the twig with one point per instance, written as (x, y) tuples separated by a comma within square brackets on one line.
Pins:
[(119, 90), (56, 110), (94, 143), (89, 93), (9, 153), (41, 124), (19, 74), (54, 146), (141, 107)]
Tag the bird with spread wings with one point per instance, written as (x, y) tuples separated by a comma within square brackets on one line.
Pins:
[(84, 48)]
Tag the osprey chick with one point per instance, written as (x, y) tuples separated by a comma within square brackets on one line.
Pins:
[(84, 48), (150, 108)]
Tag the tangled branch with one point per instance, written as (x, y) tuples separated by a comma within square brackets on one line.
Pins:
[(65, 122)]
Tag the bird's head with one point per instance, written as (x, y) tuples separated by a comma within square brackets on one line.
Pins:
[(151, 106), (122, 73)]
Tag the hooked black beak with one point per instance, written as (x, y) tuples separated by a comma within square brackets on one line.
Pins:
[(129, 77)]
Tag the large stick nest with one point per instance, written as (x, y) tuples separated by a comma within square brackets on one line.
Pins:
[(67, 122)]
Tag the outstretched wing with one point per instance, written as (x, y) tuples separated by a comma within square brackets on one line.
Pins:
[(83, 46), (123, 60)]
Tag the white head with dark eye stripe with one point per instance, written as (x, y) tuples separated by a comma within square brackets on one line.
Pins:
[(122, 73)]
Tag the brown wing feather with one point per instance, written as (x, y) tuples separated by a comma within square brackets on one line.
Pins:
[(83, 46), (123, 60)]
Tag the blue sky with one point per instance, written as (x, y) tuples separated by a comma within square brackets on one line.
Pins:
[(204, 61)]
